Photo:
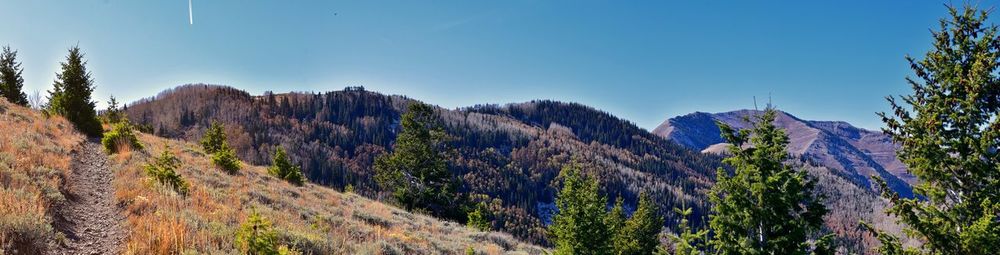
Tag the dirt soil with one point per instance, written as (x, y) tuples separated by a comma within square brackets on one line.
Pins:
[(90, 218)]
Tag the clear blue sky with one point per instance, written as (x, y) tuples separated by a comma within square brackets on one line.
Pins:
[(643, 61)]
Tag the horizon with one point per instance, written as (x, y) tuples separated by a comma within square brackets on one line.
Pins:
[(644, 63)]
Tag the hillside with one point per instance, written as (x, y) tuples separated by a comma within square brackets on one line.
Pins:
[(510, 154), (856, 153), (37, 155), (507, 155)]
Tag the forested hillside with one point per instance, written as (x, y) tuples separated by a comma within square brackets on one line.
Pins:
[(506, 155)]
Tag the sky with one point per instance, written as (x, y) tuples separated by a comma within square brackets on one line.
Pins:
[(644, 61)]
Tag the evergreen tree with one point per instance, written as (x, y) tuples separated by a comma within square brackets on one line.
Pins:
[(949, 132), (70, 95), (640, 234), (764, 206), (214, 139), (226, 159), (416, 172), (478, 218), (113, 114), (578, 226), (11, 81), (615, 222), (256, 236), (283, 168), (688, 241)]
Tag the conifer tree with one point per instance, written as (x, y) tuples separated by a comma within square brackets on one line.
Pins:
[(11, 82), (113, 114), (214, 138), (764, 206), (579, 227), (615, 222), (949, 133), (640, 234), (688, 241), (416, 172), (71, 94), (478, 218), (283, 168)]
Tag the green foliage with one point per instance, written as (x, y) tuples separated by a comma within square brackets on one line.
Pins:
[(416, 172), (615, 221), (214, 142), (470, 251), (764, 207), (70, 95), (164, 170), (578, 227), (214, 139), (687, 241), (11, 82), (949, 132), (226, 159), (478, 218), (113, 114), (283, 168), (640, 234), (121, 134), (256, 236)]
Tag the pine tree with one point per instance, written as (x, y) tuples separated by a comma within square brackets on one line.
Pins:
[(478, 218), (214, 138), (70, 95), (640, 234), (949, 133), (764, 206), (688, 241), (615, 222), (11, 82), (283, 168), (578, 226), (256, 236), (416, 172), (113, 114)]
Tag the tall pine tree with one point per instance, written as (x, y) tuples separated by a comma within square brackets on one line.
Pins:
[(70, 95), (579, 226), (764, 206), (949, 132), (11, 81), (416, 172)]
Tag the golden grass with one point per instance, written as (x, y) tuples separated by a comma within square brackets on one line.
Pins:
[(312, 219), (34, 159)]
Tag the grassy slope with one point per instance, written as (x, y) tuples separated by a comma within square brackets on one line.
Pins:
[(314, 219), (34, 160)]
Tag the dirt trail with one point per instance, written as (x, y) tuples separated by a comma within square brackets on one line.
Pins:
[(90, 219)]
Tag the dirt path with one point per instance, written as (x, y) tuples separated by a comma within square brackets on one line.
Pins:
[(90, 218)]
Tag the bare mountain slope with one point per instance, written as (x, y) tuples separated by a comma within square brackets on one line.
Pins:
[(857, 153)]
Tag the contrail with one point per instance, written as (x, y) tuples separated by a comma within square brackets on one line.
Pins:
[(190, 12)]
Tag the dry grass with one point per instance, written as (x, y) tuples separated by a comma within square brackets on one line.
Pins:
[(312, 219), (34, 158)]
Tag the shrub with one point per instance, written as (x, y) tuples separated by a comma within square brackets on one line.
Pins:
[(257, 236), (282, 168), (226, 159), (214, 139), (120, 137), (163, 169), (478, 219)]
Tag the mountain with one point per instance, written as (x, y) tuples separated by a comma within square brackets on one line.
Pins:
[(854, 152), (507, 156), (44, 211)]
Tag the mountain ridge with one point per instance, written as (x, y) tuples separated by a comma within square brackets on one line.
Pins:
[(856, 152)]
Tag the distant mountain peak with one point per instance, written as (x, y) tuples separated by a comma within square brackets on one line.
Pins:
[(856, 152)]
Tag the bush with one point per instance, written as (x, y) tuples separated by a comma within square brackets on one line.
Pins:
[(478, 218), (257, 236), (120, 137), (282, 168), (163, 169), (226, 159), (214, 139)]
